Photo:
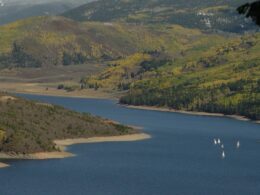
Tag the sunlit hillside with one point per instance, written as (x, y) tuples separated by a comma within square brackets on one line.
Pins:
[(215, 78), (48, 41)]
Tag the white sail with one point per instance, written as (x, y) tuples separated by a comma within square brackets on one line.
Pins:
[(238, 144), (223, 154)]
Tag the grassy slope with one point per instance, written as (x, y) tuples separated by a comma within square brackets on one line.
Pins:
[(28, 127), (56, 40), (180, 45), (48, 41)]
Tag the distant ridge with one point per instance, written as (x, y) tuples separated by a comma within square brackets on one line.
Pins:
[(12, 10), (203, 14)]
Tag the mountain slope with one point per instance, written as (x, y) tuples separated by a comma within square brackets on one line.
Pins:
[(222, 77), (55, 40), (223, 80), (202, 14), (11, 11), (49, 41)]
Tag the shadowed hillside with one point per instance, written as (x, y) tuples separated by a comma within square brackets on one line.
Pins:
[(203, 14), (12, 10)]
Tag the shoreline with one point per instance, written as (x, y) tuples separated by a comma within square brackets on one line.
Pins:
[(153, 108), (3, 165), (63, 144), (120, 138), (37, 89), (63, 95)]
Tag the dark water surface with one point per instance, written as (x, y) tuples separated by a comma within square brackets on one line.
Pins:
[(180, 158)]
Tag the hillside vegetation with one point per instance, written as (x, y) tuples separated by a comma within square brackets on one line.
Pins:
[(183, 44), (223, 80), (52, 41), (29, 127), (220, 78), (203, 14), (146, 55), (46, 41)]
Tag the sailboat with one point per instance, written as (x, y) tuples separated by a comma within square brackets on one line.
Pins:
[(223, 155), (219, 141), (222, 146), (238, 144), (215, 141)]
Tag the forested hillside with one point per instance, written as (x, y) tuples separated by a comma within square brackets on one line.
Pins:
[(223, 80), (203, 14), (29, 127), (220, 78)]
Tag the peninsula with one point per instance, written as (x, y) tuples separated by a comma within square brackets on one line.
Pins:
[(35, 130)]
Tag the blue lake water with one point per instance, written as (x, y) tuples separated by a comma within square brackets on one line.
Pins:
[(179, 159)]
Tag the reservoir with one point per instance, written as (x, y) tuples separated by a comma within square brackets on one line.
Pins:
[(180, 158)]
